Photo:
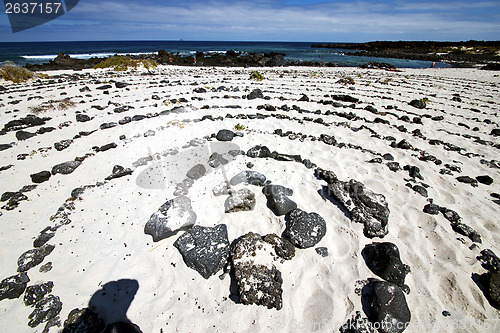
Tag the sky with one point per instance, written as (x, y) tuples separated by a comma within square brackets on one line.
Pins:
[(268, 20)]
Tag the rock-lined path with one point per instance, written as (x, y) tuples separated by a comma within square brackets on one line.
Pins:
[(290, 184)]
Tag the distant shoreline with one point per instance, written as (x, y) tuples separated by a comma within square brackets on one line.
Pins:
[(458, 54)]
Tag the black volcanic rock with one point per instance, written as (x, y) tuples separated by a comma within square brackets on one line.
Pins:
[(82, 118), (256, 93), (46, 309), (486, 180), (304, 229), (65, 168), (418, 104), (40, 177), (365, 206), (387, 306), (35, 293), (13, 286), (119, 171), (174, 215), (22, 123), (467, 180), (225, 135), (464, 229), (83, 321), (204, 249), (24, 135), (277, 199), (489, 260), (345, 98), (383, 259), (32, 258), (431, 209), (259, 152)]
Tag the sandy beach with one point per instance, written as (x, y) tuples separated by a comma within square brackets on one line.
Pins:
[(112, 181)]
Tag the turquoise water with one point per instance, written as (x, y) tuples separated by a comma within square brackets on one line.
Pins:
[(40, 52)]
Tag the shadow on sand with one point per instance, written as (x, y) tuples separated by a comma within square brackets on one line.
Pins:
[(107, 310)]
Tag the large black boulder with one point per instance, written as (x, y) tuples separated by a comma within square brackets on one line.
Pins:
[(383, 260), (205, 249), (386, 306)]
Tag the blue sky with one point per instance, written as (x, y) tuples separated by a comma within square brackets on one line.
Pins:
[(273, 20)]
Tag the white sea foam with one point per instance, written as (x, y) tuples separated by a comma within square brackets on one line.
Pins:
[(82, 55)]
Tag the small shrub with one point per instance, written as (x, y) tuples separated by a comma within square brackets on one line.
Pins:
[(17, 74), (239, 127), (346, 81), (61, 105), (257, 76), (425, 100), (123, 63)]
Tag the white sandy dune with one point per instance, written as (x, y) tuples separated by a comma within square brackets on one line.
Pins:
[(104, 240)]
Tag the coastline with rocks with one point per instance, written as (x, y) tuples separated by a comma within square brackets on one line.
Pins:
[(249, 197)]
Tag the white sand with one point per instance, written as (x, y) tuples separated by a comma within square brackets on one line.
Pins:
[(106, 241)]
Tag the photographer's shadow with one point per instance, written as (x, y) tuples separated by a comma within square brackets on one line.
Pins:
[(107, 310)]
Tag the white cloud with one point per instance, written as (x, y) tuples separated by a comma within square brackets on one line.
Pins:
[(256, 20)]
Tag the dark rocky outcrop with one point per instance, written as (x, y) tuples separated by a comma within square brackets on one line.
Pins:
[(174, 215), (63, 144), (205, 249), (304, 229), (365, 206), (383, 260)]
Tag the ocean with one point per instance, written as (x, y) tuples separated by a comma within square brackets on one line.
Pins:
[(40, 52)]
